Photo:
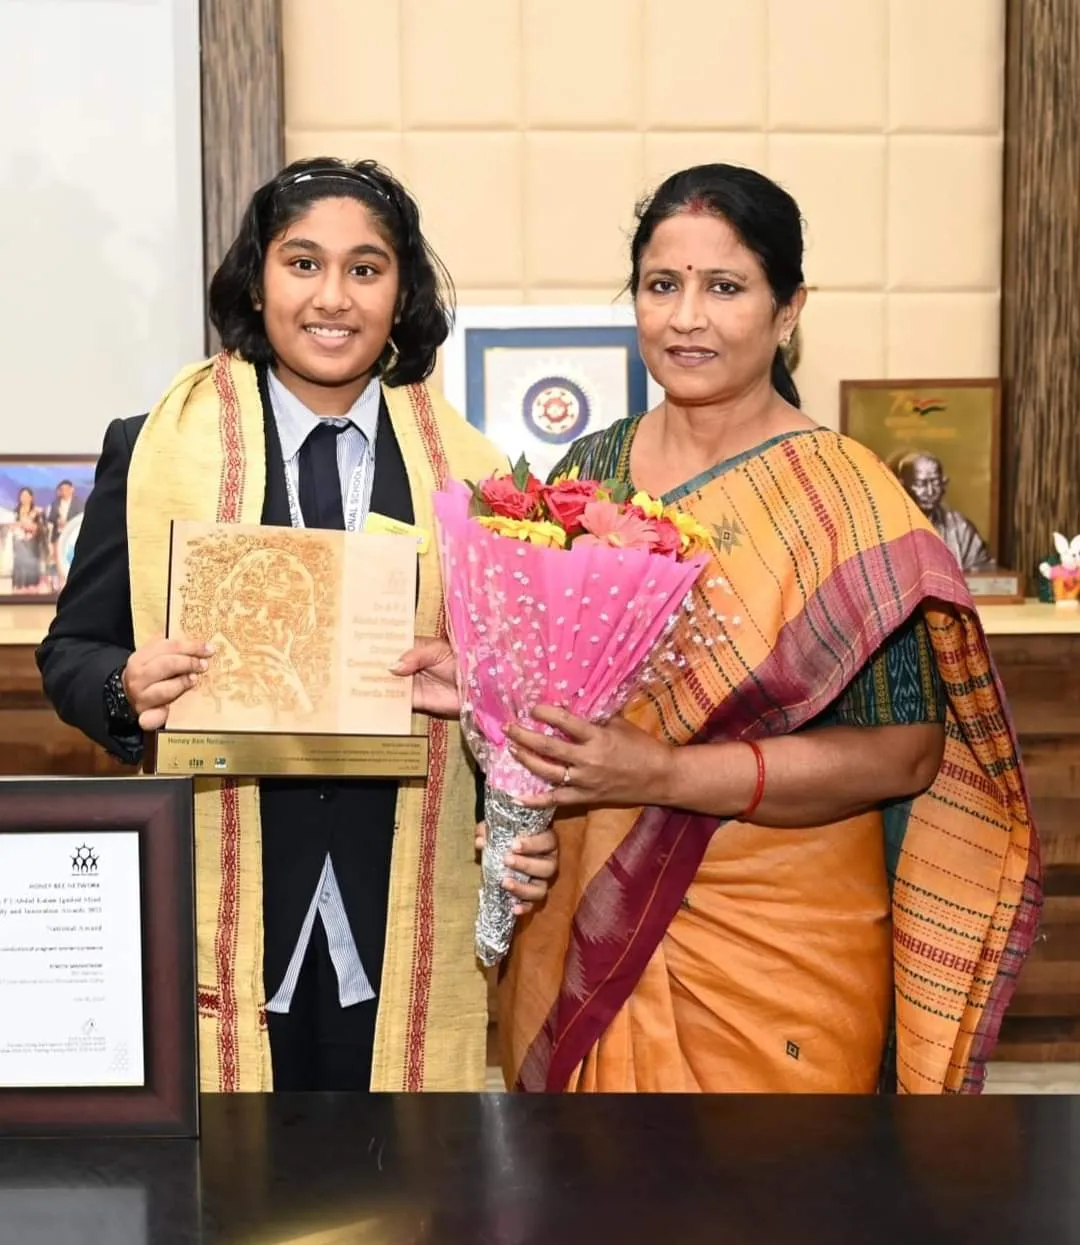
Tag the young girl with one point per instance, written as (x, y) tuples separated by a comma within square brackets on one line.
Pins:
[(334, 917)]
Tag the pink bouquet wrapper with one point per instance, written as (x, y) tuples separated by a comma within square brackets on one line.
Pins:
[(580, 628)]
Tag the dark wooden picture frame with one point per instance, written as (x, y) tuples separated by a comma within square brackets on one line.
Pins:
[(42, 474), (161, 810), (908, 426), (926, 390)]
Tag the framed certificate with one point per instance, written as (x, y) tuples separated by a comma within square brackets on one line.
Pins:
[(97, 955)]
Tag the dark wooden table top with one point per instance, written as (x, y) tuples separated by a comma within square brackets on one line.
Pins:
[(331, 1169)]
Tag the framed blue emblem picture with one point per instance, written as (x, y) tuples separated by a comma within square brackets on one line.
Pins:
[(534, 379)]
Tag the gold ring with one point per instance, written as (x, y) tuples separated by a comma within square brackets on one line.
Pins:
[(566, 777)]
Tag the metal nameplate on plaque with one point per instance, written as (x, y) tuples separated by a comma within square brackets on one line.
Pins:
[(251, 755), (996, 587)]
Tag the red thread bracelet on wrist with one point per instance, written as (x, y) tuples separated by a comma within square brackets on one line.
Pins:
[(759, 787)]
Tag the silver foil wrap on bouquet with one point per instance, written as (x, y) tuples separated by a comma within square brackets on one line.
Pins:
[(506, 820)]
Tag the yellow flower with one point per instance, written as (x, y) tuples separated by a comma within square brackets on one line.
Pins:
[(696, 538), (648, 505), (572, 474), (536, 532), (541, 532)]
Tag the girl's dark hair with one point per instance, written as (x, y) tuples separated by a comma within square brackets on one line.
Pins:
[(765, 218), (426, 298)]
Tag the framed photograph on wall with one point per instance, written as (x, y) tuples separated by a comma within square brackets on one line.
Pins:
[(42, 497), (534, 379), (943, 440)]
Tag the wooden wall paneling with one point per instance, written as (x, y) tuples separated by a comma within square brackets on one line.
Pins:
[(242, 116), (1041, 675), (1039, 672), (1040, 322)]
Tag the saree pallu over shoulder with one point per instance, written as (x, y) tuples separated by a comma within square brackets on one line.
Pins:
[(202, 455), (821, 557)]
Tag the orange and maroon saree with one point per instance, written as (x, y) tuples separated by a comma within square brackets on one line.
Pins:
[(675, 953)]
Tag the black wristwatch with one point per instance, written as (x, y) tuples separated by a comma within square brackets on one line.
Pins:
[(119, 711)]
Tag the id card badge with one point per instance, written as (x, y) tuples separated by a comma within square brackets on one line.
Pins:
[(381, 525)]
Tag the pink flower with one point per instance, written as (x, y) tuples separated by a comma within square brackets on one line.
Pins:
[(605, 523), (567, 500)]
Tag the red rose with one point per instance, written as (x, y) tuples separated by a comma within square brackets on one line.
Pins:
[(566, 502), (507, 500), (668, 537)]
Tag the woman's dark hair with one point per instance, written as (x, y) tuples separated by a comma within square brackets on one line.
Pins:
[(765, 218), (426, 293)]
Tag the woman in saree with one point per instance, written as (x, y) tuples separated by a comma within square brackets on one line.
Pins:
[(27, 530), (808, 864)]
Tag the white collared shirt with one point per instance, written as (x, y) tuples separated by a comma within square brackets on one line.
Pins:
[(356, 462), (355, 447)]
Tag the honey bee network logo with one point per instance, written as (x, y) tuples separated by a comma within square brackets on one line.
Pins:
[(84, 861)]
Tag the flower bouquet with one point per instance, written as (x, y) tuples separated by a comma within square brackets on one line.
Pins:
[(569, 595)]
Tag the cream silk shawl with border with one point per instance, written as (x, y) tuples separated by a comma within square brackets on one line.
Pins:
[(202, 455)]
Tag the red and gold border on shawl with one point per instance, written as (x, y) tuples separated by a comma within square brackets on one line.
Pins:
[(230, 492), (209, 1004), (225, 940), (611, 962), (424, 936), (423, 958), (429, 433), (231, 488)]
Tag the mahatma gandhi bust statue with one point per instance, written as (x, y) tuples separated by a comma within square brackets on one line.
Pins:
[(924, 478)]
